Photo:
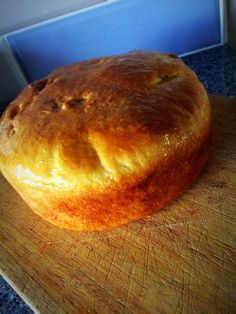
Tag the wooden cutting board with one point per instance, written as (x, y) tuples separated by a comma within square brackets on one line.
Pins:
[(180, 260)]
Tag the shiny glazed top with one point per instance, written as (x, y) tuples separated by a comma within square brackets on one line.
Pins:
[(102, 121)]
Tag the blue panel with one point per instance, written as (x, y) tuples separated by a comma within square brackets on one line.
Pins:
[(177, 26)]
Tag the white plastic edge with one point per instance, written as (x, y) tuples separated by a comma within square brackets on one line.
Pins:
[(13, 64), (223, 21)]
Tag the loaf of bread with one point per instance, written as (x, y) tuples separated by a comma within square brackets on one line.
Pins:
[(101, 143)]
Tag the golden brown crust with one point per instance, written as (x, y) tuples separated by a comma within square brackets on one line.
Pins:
[(101, 143)]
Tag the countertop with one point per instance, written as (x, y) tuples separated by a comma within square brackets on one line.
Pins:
[(216, 68)]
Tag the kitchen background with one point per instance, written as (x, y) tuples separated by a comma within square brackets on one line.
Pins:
[(216, 67)]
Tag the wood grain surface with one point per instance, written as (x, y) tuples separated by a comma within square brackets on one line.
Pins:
[(180, 260)]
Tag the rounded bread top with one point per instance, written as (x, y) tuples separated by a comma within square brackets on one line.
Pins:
[(101, 120)]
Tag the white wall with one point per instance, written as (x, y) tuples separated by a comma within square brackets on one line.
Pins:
[(15, 14)]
